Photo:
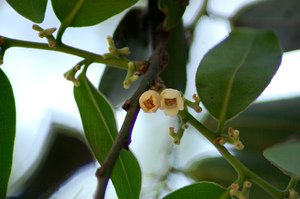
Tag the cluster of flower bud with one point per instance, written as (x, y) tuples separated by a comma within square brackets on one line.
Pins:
[(232, 137), (292, 194), (244, 194), (177, 136), (70, 74), (46, 33), (170, 100), (113, 51), (131, 75)]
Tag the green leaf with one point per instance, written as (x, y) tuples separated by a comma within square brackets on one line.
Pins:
[(274, 121), (220, 171), (7, 131), (235, 72), (203, 190), (277, 15), (174, 75), (79, 13), (285, 157), (268, 123), (100, 130), (173, 10), (33, 10), (131, 32)]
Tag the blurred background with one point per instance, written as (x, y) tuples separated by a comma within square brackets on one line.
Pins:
[(51, 155)]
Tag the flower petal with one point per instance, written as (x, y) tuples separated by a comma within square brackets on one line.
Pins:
[(171, 112), (180, 103)]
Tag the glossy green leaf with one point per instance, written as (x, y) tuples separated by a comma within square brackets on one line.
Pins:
[(278, 120), (33, 10), (203, 190), (220, 171), (88, 12), (173, 10), (100, 130), (265, 124), (285, 157), (131, 32), (277, 15), (174, 75), (235, 72), (7, 131)]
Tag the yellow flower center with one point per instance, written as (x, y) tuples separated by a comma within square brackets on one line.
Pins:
[(149, 103), (171, 102)]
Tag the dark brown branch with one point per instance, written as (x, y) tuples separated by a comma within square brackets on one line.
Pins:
[(156, 63)]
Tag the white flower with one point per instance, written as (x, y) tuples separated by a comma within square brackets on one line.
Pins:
[(171, 102), (149, 101)]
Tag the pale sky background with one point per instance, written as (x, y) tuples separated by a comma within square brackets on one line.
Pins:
[(43, 96)]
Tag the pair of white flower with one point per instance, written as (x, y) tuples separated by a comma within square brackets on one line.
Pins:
[(170, 100)]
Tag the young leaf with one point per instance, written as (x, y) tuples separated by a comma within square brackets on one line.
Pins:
[(173, 10), (174, 75), (131, 32), (88, 12), (100, 130), (7, 131), (285, 157), (33, 10), (203, 190), (235, 72)]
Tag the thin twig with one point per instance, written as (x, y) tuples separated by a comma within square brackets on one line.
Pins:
[(156, 64), (120, 62)]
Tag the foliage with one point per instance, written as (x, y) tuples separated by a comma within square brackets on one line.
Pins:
[(150, 51), (96, 114), (7, 129)]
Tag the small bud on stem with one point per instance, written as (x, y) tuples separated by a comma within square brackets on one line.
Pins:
[(194, 105), (244, 194), (232, 137), (131, 76), (46, 33), (70, 74)]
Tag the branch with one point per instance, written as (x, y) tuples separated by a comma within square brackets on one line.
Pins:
[(156, 64), (120, 62), (243, 171)]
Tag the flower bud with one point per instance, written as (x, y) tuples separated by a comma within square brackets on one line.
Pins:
[(37, 27)]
